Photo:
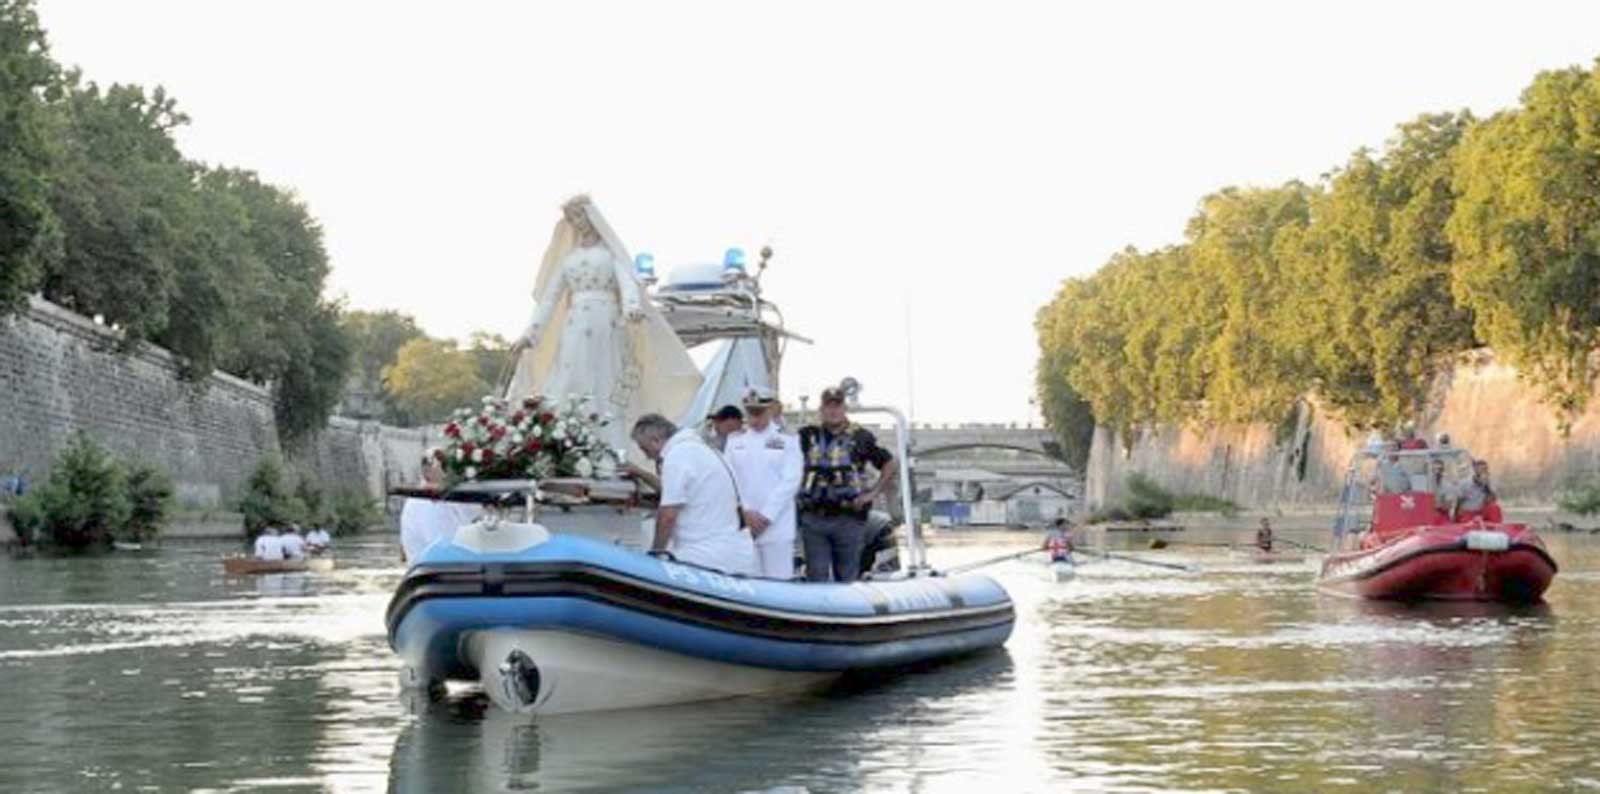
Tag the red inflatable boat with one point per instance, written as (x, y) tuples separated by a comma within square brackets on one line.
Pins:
[(1412, 549)]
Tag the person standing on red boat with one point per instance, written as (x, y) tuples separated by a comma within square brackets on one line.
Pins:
[(1478, 499)]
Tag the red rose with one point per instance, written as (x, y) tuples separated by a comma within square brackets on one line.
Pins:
[(533, 445), (488, 456), (547, 417), (517, 418), (452, 430), (438, 455), (466, 449), (483, 421), (496, 432)]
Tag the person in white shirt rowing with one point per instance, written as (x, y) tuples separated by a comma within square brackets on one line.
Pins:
[(318, 540), (294, 546), (269, 546), (424, 522), (699, 518), (768, 467)]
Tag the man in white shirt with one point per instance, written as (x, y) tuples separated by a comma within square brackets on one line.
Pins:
[(318, 540), (698, 521), (269, 546), (768, 466), (294, 546), (424, 522)]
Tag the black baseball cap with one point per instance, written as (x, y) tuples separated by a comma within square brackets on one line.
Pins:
[(727, 412), (833, 394)]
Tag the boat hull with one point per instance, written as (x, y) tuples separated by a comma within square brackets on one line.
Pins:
[(245, 566), (1062, 571), (565, 624), (1506, 563), (576, 673)]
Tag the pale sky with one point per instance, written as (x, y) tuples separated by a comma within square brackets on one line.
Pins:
[(959, 159)]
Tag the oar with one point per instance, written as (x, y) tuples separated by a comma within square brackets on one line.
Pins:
[(1125, 558), (979, 564), (1299, 545), (1159, 543)]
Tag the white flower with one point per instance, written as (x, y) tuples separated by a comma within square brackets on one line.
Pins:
[(488, 399), (455, 454), (536, 431), (472, 472), (584, 467), (605, 467), (477, 455), (517, 437)]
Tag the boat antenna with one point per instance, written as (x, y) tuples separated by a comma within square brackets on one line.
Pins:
[(761, 265)]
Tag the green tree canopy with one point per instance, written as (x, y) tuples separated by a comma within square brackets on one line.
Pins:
[(27, 75), (1527, 232), (121, 194), (1357, 289), (430, 378), (376, 337)]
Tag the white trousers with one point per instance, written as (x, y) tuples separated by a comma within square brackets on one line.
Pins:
[(775, 557)]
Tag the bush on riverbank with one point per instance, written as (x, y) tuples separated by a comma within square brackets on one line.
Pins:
[(1147, 500), (269, 500), (350, 512), (276, 497), (149, 492), (91, 498), (1583, 501)]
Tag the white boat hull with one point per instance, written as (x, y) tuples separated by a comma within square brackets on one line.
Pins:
[(578, 673), (1061, 571)]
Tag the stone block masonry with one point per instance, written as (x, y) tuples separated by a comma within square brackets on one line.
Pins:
[(60, 373), (1482, 403)]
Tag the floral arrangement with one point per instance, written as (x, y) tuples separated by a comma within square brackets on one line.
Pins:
[(535, 438)]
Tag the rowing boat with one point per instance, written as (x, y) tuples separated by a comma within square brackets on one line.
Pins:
[(244, 566)]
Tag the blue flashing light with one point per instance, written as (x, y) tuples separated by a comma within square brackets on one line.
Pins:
[(645, 266), (733, 261)]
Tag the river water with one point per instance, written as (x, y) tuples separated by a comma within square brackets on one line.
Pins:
[(154, 672)]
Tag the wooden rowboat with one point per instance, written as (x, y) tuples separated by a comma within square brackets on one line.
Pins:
[(242, 566)]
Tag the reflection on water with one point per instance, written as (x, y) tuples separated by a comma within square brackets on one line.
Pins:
[(155, 672)]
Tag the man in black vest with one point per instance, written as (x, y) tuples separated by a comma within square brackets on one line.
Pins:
[(835, 496)]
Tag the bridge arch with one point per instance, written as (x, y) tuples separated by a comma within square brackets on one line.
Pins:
[(1047, 450)]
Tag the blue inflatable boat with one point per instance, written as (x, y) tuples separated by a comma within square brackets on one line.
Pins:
[(552, 623)]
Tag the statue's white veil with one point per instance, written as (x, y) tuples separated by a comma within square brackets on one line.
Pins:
[(658, 375)]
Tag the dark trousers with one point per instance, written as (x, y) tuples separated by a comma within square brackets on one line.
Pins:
[(832, 541)]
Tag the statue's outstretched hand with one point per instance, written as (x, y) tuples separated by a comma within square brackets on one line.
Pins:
[(526, 340)]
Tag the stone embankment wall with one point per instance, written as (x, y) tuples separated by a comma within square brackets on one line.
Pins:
[(60, 373), (1481, 403)]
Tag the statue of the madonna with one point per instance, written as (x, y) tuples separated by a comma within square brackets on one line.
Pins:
[(593, 332)]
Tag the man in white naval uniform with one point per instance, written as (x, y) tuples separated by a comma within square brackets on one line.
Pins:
[(768, 467)]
